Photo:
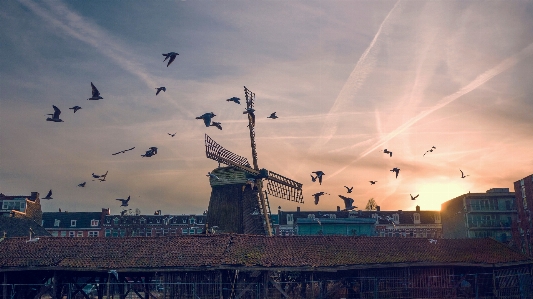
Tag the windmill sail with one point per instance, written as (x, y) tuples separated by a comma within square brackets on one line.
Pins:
[(218, 153), (283, 187)]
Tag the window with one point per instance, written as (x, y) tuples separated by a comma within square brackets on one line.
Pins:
[(114, 233), (16, 205), (73, 223), (311, 216), (94, 222), (108, 233), (200, 221), (172, 232), (416, 218), (199, 230), (142, 221), (148, 232), (115, 221), (63, 233), (93, 234), (184, 231), (54, 233), (290, 218), (437, 218), (80, 234), (56, 222), (191, 231), (396, 218), (192, 220), (71, 234)]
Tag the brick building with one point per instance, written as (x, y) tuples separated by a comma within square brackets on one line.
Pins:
[(74, 224), (21, 206), (523, 229)]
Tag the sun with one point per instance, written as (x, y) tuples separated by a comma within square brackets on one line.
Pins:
[(433, 194)]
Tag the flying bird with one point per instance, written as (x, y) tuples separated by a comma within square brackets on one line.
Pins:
[(413, 198), (164, 89), (373, 182), (387, 152), (207, 118), (121, 152), (75, 108), (124, 201), (96, 94), (172, 56), (234, 99), (172, 135), (348, 203), (103, 176), (429, 150), (462, 174), (396, 170), (212, 176), (273, 115), (150, 152), (49, 195), (82, 184), (251, 114), (317, 196), (319, 175), (348, 190), (218, 125), (55, 115), (313, 178)]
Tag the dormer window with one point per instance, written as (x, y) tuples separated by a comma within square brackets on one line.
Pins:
[(192, 220), (94, 222), (56, 222), (290, 218), (142, 221), (416, 218), (73, 223), (396, 218), (184, 220), (312, 216), (437, 218), (115, 221)]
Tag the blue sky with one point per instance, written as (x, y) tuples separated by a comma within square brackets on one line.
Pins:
[(346, 78)]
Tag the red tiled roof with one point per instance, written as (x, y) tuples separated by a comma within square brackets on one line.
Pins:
[(246, 250)]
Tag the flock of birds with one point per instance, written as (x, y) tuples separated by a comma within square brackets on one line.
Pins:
[(348, 202)]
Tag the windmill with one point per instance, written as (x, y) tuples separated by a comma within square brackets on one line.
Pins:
[(240, 174)]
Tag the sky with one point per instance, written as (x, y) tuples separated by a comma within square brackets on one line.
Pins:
[(347, 79)]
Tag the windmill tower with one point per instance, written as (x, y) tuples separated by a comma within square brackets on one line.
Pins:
[(238, 203)]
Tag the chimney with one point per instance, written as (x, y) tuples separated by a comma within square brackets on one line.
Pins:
[(106, 211), (297, 209), (338, 209), (378, 208), (34, 195), (418, 208)]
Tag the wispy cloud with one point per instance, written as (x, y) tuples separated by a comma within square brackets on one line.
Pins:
[(76, 26), (478, 81)]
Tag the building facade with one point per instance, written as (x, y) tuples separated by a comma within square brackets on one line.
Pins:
[(523, 229), (480, 215), (153, 225), (405, 224), (74, 224), (21, 206)]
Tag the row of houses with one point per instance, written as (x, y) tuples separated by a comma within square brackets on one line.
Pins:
[(497, 213)]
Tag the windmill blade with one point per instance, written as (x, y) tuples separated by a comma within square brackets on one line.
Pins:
[(218, 153), (283, 187)]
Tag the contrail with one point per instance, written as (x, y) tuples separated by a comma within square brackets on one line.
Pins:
[(354, 82), (480, 80), (75, 25)]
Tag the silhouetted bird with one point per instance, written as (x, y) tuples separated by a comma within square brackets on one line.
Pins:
[(172, 56), (387, 152), (348, 190), (462, 174), (164, 89), (396, 170), (313, 178), (413, 198), (317, 196), (172, 135), (121, 152), (123, 212), (251, 114), (273, 115), (103, 176), (429, 150), (124, 201), (49, 195), (348, 203), (373, 182), (75, 108), (234, 99), (96, 94), (319, 175), (150, 152), (207, 118), (82, 184), (218, 125), (55, 115)]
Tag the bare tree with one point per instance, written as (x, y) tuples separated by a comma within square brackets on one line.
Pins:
[(371, 205)]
